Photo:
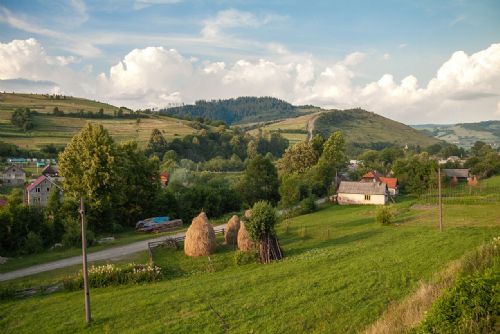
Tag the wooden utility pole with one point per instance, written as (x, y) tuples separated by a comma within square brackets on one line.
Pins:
[(440, 200), (88, 317)]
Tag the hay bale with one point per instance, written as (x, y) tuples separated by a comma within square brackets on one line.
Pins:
[(248, 214), (200, 237), (245, 243), (231, 231)]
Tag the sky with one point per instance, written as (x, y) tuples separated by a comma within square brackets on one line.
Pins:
[(413, 61)]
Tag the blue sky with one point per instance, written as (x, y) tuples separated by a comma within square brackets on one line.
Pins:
[(329, 53)]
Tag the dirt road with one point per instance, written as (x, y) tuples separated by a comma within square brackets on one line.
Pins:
[(107, 254)]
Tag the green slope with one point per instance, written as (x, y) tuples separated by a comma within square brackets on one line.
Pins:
[(363, 127)]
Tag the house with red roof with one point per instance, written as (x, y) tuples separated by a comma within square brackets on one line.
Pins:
[(374, 176), (38, 192)]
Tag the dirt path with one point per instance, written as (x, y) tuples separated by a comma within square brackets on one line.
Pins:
[(310, 126), (107, 254)]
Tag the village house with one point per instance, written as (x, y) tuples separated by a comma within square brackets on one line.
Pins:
[(362, 193), (13, 176), (164, 177), (50, 171), (392, 182), (38, 192), (458, 174)]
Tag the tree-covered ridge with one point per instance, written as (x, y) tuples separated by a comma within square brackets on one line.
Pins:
[(239, 110), (488, 126)]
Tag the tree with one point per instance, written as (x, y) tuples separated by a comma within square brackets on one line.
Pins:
[(141, 175), (261, 230), (260, 181), (298, 158), (92, 167), (417, 173), (157, 144)]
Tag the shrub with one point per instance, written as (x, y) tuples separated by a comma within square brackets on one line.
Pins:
[(33, 243), (109, 275), (384, 215), (242, 258), (263, 220)]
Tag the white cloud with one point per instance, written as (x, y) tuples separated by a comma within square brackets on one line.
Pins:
[(386, 56), (232, 18), (465, 88)]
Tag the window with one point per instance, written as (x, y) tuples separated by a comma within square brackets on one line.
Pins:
[(367, 197), (37, 189)]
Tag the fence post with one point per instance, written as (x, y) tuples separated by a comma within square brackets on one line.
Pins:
[(88, 317), (440, 201)]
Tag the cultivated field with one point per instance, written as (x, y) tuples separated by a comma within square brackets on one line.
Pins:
[(341, 271), (59, 130)]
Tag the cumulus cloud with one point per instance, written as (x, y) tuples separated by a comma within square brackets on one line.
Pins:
[(465, 87)]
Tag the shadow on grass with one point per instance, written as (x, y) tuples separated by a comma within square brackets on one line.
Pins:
[(331, 242)]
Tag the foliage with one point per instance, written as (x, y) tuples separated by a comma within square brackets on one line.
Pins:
[(260, 181), (416, 173), (23, 119), (298, 158), (470, 306), (293, 188), (92, 166), (384, 215), (263, 220), (111, 275), (239, 110), (33, 243), (484, 161), (242, 258)]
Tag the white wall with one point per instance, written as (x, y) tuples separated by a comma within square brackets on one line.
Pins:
[(344, 199)]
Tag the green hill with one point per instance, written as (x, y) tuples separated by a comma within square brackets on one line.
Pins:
[(239, 110), (465, 134), (49, 129), (367, 129), (45, 103)]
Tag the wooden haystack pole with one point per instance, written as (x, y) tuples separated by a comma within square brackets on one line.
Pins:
[(231, 231), (269, 248), (200, 237), (245, 242)]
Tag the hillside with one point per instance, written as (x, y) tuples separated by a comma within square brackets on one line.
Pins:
[(49, 129), (235, 111), (45, 103), (465, 134)]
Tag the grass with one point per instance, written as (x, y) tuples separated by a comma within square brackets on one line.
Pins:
[(340, 273)]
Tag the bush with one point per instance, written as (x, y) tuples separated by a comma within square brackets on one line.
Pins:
[(307, 205), (242, 258), (72, 236), (384, 215), (110, 275), (33, 243)]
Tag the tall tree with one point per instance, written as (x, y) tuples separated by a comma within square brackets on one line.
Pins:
[(157, 144), (260, 181), (92, 166), (298, 158)]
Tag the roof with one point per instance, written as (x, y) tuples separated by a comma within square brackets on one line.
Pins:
[(49, 169), (372, 175), (39, 180), (392, 182), (15, 167), (366, 188), (457, 172)]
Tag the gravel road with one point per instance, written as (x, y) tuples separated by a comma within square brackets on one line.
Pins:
[(106, 254)]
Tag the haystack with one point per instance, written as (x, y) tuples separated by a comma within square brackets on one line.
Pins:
[(231, 231), (248, 214), (200, 237), (245, 243)]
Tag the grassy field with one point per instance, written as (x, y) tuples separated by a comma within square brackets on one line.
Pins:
[(46, 104), (59, 130), (340, 272)]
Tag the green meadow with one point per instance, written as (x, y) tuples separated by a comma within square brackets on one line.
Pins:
[(340, 272)]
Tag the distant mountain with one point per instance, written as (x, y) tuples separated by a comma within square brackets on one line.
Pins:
[(464, 134), (366, 129), (236, 111)]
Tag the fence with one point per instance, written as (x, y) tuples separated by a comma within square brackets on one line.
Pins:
[(464, 194)]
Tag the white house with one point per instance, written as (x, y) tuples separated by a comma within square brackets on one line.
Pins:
[(362, 193), (38, 192), (13, 176)]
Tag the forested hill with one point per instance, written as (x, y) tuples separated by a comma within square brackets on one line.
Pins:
[(369, 129), (239, 110)]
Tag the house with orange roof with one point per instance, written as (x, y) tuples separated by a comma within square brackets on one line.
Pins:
[(374, 176)]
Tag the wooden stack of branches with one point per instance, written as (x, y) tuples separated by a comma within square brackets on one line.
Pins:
[(231, 231), (269, 248), (200, 237)]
